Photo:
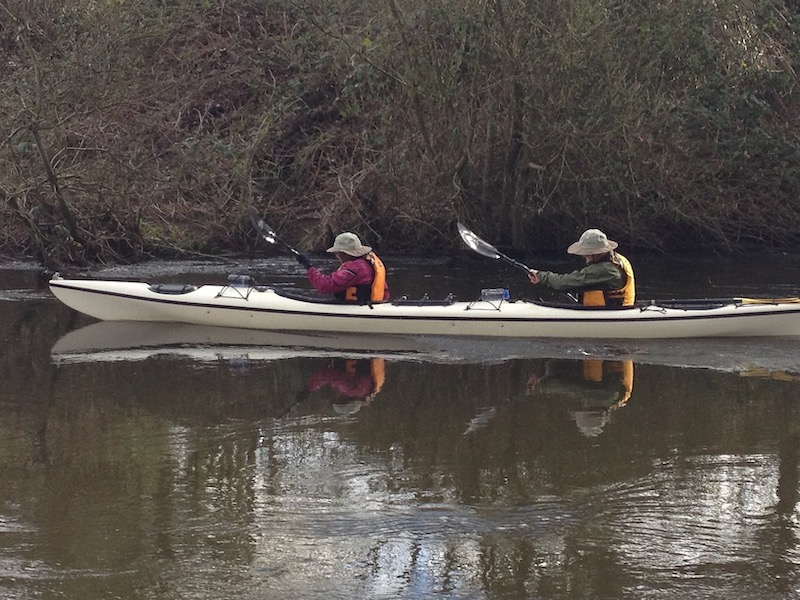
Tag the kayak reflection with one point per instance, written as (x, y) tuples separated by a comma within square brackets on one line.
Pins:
[(131, 340), (592, 388), (356, 382), (111, 341)]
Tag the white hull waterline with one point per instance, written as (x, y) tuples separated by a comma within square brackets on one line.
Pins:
[(268, 309), (115, 341)]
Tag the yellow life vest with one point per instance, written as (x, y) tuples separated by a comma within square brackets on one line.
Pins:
[(593, 371), (378, 288), (625, 368), (626, 294)]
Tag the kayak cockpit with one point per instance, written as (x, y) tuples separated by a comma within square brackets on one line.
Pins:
[(425, 300), (172, 288)]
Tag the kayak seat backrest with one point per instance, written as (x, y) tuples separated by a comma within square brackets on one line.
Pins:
[(172, 288)]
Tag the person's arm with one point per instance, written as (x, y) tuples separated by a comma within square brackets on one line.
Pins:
[(338, 281), (351, 273), (604, 275)]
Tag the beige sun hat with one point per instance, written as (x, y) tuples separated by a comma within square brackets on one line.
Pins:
[(592, 241), (350, 407), (349, 243), (591, 422)]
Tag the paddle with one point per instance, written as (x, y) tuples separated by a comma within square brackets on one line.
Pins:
[(486, 249), (767, 300), (701, 302), (268, 233)]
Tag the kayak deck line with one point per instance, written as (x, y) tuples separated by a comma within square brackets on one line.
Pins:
[(176, 289), (265, 308), (425, 300)]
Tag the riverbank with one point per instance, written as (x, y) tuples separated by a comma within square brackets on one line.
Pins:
[(137, 130)]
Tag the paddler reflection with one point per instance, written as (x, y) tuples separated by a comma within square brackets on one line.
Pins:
[(355, 381), (594, 388)]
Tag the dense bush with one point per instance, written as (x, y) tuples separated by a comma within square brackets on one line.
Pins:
[(137, 128)]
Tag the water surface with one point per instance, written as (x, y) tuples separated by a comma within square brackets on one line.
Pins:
[(180, 463)]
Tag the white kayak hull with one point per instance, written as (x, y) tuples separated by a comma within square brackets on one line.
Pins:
[(268, 309)]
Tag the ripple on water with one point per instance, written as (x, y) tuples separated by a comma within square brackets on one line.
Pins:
[(372, 549), (691, 520)]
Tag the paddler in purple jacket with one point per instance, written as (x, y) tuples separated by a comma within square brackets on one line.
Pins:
[(361, 277)]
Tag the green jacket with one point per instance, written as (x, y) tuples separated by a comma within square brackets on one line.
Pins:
[(603, 275)]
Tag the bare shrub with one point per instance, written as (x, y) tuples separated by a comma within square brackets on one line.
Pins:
[(140, 128)]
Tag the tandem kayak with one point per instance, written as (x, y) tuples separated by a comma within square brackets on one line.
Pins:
[(265, 308)]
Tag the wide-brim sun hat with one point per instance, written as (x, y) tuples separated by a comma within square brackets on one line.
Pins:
[(349, 243), (592, 241), (591, 422)]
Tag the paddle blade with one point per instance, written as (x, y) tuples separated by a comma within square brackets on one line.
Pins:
[(476, 243), (265, 230)]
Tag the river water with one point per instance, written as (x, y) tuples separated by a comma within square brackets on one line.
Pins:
[(175, 462)]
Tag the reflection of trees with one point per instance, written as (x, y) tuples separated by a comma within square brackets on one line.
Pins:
[(454, 478), (780, 537), (127, 464), (531, 450)]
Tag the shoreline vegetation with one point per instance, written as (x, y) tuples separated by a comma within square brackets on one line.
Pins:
[(135, 129)]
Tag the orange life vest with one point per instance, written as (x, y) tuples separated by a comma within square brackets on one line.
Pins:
[(624, 296), (377, 368), (378, 288)]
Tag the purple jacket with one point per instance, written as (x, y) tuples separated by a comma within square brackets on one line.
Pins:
[(350, 274)]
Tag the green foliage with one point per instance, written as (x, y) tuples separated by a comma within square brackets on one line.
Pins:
[(139, 127)]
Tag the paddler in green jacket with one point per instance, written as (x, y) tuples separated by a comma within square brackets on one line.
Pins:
[(606, 280)]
